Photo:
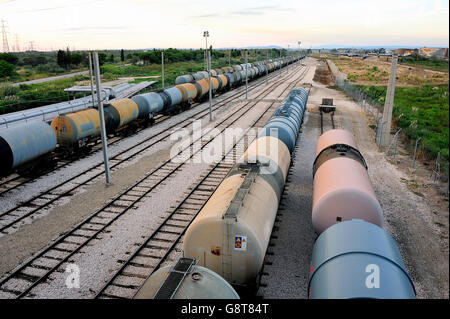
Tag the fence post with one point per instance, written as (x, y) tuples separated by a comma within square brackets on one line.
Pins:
[(415, 152), (437, 168)]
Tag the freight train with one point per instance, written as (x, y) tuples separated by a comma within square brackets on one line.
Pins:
[(353, 256), (30, 147), (231, 233)]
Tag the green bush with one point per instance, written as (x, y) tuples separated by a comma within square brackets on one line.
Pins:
[(6, 69), (49, 68)]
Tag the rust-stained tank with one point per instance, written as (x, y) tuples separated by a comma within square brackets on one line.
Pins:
[(74, 127), (214, 83), (204, 84), (119, 113), (224, 80), (342, 188), (185, 280)]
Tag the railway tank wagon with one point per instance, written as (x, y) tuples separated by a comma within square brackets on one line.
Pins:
[(23, 144), (148, 104), (353, 256), (342, 187), (185, 280), (74, 129), (231, 233), (119, 113), (357, 259)]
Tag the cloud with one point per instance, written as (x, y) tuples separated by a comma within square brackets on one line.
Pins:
[(247, 11), (61, 7), (260, 10)]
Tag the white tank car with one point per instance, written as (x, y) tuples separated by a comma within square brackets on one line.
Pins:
[(232, 231), (185, 280)]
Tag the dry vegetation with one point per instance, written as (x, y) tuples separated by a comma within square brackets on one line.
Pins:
[(375, 71)]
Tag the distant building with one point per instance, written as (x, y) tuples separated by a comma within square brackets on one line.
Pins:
[(441, 53), (405, 52)]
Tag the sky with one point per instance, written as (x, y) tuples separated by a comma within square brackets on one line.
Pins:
[(135, 24)]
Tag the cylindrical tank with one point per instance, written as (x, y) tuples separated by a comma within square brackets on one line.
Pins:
[(198, 76), (356, 259), (183, 91), (204, 84), (148, 103), (214, 83), (223, 79), (188, 78), (205, 74), (231, 238), (237, 77), (166, 99), (342, 188), (72, 127), (175, 95), (121, 112), (230, 78), (286, 121), (198, 90), (24, 143), (199, 283)]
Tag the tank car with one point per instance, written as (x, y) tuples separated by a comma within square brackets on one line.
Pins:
[(231, 233), (74, 130), (119, 113), (357, 259), (342, 187), (185, 280), (26, 148)]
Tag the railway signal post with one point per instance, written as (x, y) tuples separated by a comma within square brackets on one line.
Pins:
[(102, 118), (92, 80)]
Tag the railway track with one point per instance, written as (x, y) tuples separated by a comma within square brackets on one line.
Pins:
[(164, 241), (331, 121), (15, 180), (11, 219), (37, 270)]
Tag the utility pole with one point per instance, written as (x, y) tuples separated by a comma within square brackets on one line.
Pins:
[(229, 58), (162, 68), (5, 37), (206, 35), (267, 69), (102, 118), (388, 105), (92, 79), (210, 88), (299, 51), (246, 77), (280, 63)]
